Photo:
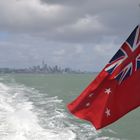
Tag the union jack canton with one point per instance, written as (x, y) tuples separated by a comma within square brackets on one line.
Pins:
[(127, 60)]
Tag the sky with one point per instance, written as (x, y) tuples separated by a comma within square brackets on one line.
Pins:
[(81, 34)]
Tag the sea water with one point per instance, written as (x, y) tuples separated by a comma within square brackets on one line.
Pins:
[(33, 107)]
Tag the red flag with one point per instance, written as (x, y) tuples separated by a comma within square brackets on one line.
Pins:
[(116, 90)]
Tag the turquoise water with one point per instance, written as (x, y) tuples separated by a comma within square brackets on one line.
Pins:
[(33, 107)]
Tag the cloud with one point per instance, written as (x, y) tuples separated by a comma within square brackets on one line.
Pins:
[(59, 52), (81, 34), (26, 16)]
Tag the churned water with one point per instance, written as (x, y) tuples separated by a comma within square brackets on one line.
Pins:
[(33, 107)]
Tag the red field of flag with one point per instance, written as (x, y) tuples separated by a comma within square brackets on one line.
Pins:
[(116, 90)]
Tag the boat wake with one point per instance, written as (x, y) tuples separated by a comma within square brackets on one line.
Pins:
[(27, 114)]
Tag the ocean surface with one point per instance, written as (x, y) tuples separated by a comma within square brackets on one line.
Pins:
[(33, 107)]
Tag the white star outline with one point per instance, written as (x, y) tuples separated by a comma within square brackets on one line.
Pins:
[(87, 104), (91, 94), (107, 112), (108, 90)]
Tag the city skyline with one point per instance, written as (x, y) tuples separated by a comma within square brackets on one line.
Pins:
[(43, 68)]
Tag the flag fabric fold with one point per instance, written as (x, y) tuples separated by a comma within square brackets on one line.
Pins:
[(116, 90)]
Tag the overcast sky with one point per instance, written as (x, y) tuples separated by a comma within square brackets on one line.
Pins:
[(81, 34)]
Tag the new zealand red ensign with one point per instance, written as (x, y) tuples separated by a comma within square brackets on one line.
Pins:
[(116, 90)]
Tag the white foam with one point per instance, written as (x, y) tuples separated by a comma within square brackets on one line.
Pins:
[(19, 122), (3, 87), (26, 114)]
